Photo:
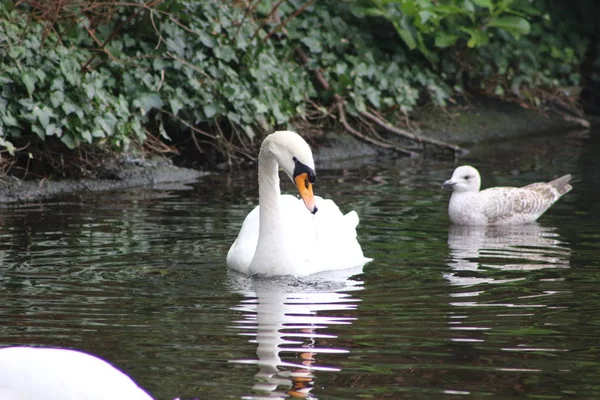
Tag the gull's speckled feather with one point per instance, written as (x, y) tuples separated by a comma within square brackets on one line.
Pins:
[(500, 205)]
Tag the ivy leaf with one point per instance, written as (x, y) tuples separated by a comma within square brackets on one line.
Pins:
[(29, 79), (249, 131), (69, 140), (70, 70), (175, 105), (87, 136), (50, 129), (177, 45), (57, 98), (209, 110), (43, 115), (206, 39), (313, 44), (147, 102), (9, 120), (68, 107)]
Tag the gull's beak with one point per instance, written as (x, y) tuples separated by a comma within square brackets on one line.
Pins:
[(449, 184), (306, 192)]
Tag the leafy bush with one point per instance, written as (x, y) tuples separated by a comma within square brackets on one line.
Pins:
[(44, 91), (222, 73), (505, 45)]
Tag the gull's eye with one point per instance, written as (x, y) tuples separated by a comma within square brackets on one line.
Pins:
[(466, 177)]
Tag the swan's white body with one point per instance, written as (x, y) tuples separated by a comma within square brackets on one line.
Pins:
[(499, 205), (289, 236), (28, 373)]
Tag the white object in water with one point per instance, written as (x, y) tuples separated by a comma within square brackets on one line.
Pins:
[(284, 235), (499, 205), (30, 373)]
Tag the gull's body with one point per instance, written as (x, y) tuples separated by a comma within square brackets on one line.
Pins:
[(29, 373), (284, 235), (499, 205)]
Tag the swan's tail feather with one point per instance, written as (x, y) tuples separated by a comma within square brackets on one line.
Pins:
[(352, 218)]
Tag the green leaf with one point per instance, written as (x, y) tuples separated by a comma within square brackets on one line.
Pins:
[(57, 98), (51, 129), (87, 136), (206, 39), (175, 105), (209, 110), (484, 3), (249, 131), (361, 11), (313, 44), (147, 102), (69, 140), (403, 29), (445, 40), (68, 107), (512, 24), (9, 120), (70, 70), (29, 79), (43, 115)]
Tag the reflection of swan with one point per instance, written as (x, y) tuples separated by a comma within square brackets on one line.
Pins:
[(509, 247), (280, 236), (499, 205), (284, 316), (59, 374)]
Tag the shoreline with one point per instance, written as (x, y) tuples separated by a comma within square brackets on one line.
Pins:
[(466, 125)]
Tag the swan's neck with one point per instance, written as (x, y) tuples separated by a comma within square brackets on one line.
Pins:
[(268, 193)]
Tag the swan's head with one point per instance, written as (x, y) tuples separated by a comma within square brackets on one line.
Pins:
[(295, 157), (464, 179)]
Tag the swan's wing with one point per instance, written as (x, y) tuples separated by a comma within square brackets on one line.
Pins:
[(336, 238), (242, 250), (524, 204), (296, 225)]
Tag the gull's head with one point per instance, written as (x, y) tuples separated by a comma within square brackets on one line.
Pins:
[(464, 179), (295, 157)]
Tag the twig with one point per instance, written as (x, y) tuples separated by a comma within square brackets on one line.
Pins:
[(273, 11), (184, 122), (288, 19), (408, 135), (342, 117), (325, 85), (118, 28), (249, 10)]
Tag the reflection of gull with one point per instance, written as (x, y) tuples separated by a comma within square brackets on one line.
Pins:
[(512, 247), (285, 316)]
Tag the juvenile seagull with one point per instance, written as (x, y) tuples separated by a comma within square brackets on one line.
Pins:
[(499, 205)]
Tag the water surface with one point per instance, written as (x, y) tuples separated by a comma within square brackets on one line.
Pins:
[(442, 312)]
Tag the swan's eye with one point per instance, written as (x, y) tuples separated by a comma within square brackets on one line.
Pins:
[(294, 159)]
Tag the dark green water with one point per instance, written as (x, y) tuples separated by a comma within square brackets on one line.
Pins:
[(140, 280)]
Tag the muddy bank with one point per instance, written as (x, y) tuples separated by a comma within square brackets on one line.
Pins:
[(466, 125), (155, 173)]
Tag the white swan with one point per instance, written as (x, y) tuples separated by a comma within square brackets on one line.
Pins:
[(499, 205), (30, 373), (284, 235)]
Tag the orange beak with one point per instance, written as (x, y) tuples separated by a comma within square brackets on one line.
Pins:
[(306, 192)]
